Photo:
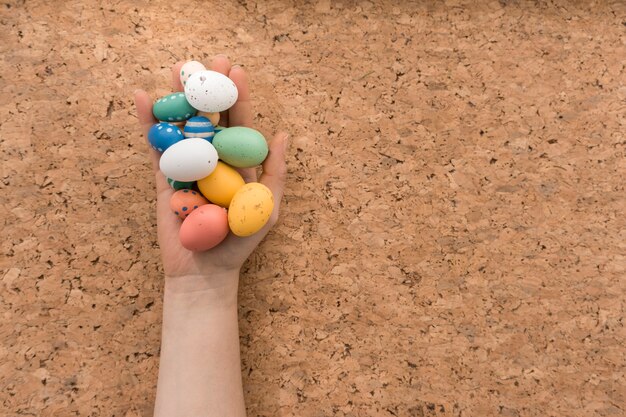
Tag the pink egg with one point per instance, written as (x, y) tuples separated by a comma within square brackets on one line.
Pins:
[(204, 228), (184, 202)]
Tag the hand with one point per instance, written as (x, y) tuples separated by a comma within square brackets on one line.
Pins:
[(214, 268)]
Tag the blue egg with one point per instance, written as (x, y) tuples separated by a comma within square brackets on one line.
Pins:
[(163, 135), (199, 127)]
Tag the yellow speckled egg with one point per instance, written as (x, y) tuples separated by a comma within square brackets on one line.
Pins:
[(220, 187), (250, 209)]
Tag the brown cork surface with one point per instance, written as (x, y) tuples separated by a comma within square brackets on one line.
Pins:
[(451, 240)]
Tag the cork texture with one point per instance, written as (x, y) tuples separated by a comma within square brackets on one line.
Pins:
[(451, 240)]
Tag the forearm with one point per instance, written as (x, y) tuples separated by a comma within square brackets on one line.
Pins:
[(200, 368)]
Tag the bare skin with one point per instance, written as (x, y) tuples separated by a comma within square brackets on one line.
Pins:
[(199, 372)]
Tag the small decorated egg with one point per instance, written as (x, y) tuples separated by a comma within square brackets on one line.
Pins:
[(180, 185), (221, 185), (183, 202), (241, 147), (163, 135), (250, 209), (199, 127), (173, 108), (188, 160), (189, 68), (210, 91), (213, 117), (204, 228)]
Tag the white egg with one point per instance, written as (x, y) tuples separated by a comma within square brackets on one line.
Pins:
[(210, 91), (189, 160), (190, 67)]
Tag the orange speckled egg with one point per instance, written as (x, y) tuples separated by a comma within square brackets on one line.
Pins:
[(184, 202), (204, 228)]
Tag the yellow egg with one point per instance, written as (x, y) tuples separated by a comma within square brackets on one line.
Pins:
[(250, 209), (213, 117), (220, 187)]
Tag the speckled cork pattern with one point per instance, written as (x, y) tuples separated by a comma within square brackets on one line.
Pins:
[(451, 240)]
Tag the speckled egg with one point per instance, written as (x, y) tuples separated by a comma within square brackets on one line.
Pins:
[(173, 108), (163, 135), (188, 160), (199, 127), (210, 91), (190, 67), (183, 202), (204, 228), (250, 209), (241, 147)]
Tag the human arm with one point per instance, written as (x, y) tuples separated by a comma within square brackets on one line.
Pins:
[(199, 373)]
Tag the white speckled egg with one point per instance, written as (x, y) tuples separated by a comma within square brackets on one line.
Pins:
[(210, 91), (190, 67), (189, 160)]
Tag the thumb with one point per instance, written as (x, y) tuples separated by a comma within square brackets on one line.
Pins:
[(143, 103), (275, 169)]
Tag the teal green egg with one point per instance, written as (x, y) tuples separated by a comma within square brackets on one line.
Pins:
[(173, 108), (240, 147), (180, 185)]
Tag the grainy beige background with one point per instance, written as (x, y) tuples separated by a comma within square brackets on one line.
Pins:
[(452, 237)]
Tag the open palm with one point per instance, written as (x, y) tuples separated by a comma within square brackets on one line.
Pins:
[(229, 255)]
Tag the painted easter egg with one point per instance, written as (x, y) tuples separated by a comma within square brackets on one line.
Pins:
[(213, 117), (221, 185), (173, 108), (188, 160), (180, 185), (189, 68), (204, 228), (210, 91), (241, 147), (163, 135), (250, 209), (183, 202), (199, 127)]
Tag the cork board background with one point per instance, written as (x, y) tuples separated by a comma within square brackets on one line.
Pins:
[(452, 236)]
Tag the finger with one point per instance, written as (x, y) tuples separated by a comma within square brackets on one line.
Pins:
[(176, 84), (240, 114), (248, 174), (146, 119), (221, 64), (143, 103), (273, 177), (275, 168)]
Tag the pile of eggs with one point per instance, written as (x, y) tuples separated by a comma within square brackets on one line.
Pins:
[(199, 159)]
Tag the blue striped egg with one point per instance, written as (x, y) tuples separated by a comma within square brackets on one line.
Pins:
[(163, 135), (199, 127)]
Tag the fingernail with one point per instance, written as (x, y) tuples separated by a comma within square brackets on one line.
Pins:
[(236, 66), (221, 56)]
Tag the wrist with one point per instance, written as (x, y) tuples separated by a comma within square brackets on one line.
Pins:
[(218, 289)]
